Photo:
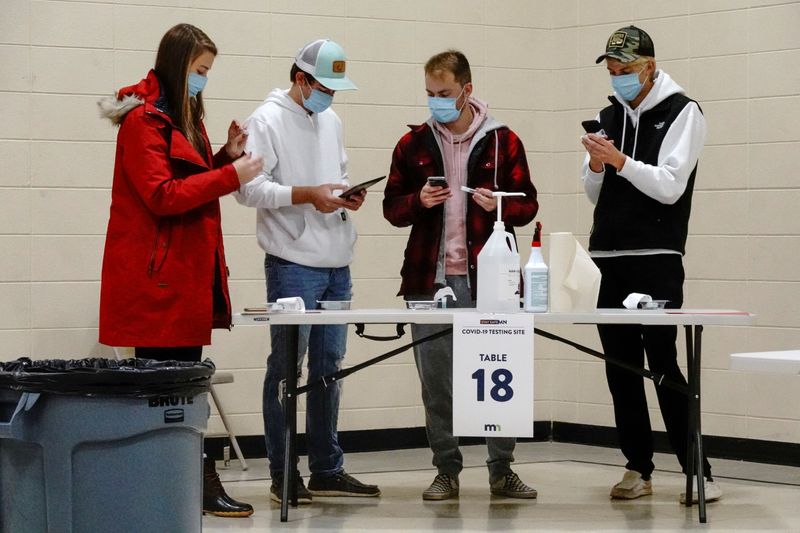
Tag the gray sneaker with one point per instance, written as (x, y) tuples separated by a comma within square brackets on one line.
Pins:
[(511, 486), (443, 487)]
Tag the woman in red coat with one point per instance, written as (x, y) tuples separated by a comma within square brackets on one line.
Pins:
[(165, 282)]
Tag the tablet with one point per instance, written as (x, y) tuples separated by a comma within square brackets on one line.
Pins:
[(355, 189)]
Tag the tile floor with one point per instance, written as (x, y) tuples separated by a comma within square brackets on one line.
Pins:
[(573, 483)]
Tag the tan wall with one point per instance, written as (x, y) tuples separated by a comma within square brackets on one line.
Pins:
[(534, 63)]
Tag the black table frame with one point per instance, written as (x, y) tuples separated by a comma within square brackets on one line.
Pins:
[(694, 459)]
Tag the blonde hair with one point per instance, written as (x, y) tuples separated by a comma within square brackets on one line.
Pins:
[(644, 60)]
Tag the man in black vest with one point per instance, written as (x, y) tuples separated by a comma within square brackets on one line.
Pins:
[(639, 172)]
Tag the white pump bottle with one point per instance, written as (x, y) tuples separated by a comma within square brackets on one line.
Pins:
[(499, 267)]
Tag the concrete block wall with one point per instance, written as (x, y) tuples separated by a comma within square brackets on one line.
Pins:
[(533, 61)]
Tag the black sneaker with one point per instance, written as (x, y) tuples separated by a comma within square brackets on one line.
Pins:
[(276, 490), (511, 486), (341, 484)]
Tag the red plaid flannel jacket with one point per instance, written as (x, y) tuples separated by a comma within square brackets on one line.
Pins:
[(416, 157)]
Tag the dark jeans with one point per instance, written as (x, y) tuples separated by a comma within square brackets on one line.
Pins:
[(661, 276), (434, 361)]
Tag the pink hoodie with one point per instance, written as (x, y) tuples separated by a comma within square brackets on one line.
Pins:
[(455, 154)]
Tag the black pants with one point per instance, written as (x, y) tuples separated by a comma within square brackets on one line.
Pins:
[(174, 353), (661, 276)]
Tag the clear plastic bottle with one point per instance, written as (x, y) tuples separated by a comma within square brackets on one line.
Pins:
[(536, 276)]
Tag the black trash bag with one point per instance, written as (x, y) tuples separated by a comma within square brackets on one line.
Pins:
[(139, 378)]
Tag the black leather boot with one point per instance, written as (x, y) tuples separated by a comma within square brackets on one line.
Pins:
[(215, 500)]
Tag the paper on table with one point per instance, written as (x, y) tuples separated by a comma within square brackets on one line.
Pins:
[(633, 299), (294, 303), (574, 278)]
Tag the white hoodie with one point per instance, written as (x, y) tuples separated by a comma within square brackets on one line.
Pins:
[(298, 150)]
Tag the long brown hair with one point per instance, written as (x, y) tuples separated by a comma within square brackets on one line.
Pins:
[(181, 45)]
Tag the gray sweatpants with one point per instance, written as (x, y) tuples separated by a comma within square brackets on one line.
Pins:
[(434, 361)]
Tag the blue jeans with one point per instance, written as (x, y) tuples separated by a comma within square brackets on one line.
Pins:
[(326, 347)]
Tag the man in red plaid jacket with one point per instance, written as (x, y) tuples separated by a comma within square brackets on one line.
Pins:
[(467, 147)]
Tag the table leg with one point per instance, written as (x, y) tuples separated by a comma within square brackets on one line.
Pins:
[(290, 422), (694, 449), (698, 438), (690, 433)]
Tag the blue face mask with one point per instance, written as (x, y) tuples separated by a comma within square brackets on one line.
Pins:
[(443, 109), (196, 83), (627, 86), (318, 101)]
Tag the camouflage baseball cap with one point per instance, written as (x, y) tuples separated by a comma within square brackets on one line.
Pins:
[(628, 44)]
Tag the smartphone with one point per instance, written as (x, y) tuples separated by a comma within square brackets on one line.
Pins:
[(437, 181), (591, 126)]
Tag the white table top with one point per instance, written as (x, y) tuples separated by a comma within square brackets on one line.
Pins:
[(711, 317), (784, 362)]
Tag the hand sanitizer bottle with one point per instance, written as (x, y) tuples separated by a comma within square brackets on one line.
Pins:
[(535, 276), (498, 267)]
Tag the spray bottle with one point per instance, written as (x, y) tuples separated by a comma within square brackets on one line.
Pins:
[(498, 267), (535, 276)]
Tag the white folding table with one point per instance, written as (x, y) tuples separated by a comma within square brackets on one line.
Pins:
[(693, 321), (781, 362)]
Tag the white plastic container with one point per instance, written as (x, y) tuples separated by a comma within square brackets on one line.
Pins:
[(498, 273), (536, 276)]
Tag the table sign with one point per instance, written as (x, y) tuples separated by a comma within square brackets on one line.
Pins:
[(493, 375)]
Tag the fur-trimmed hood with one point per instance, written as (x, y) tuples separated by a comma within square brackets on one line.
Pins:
[(116, 107)]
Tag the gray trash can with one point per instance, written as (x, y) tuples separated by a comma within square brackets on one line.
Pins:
[(98, 445)]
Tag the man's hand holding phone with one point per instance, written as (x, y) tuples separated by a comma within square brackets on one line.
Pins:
[(435, 191), (601, 149)]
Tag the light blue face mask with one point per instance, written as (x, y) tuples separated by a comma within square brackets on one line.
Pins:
[(443, 109), (627, 86), (196, 83), (318, 101)]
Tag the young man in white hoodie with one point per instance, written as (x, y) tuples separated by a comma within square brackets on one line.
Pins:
[(639, 171), (308, 237)]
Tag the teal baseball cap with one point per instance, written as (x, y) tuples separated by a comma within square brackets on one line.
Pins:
[(326, 61)]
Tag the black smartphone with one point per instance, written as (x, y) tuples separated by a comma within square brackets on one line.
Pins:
[(437, 181), (356, 189), (591, 126)]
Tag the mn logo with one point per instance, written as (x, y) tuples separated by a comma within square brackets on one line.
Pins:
[(338, 67), (617, 40)]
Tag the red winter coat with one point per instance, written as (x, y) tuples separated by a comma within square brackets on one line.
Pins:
[(164, 280)]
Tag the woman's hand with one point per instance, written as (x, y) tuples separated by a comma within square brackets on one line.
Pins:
[(248, 167), (237, 138)]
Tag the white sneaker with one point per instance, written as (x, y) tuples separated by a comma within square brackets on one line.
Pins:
[(712, 490), (631, 487)]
